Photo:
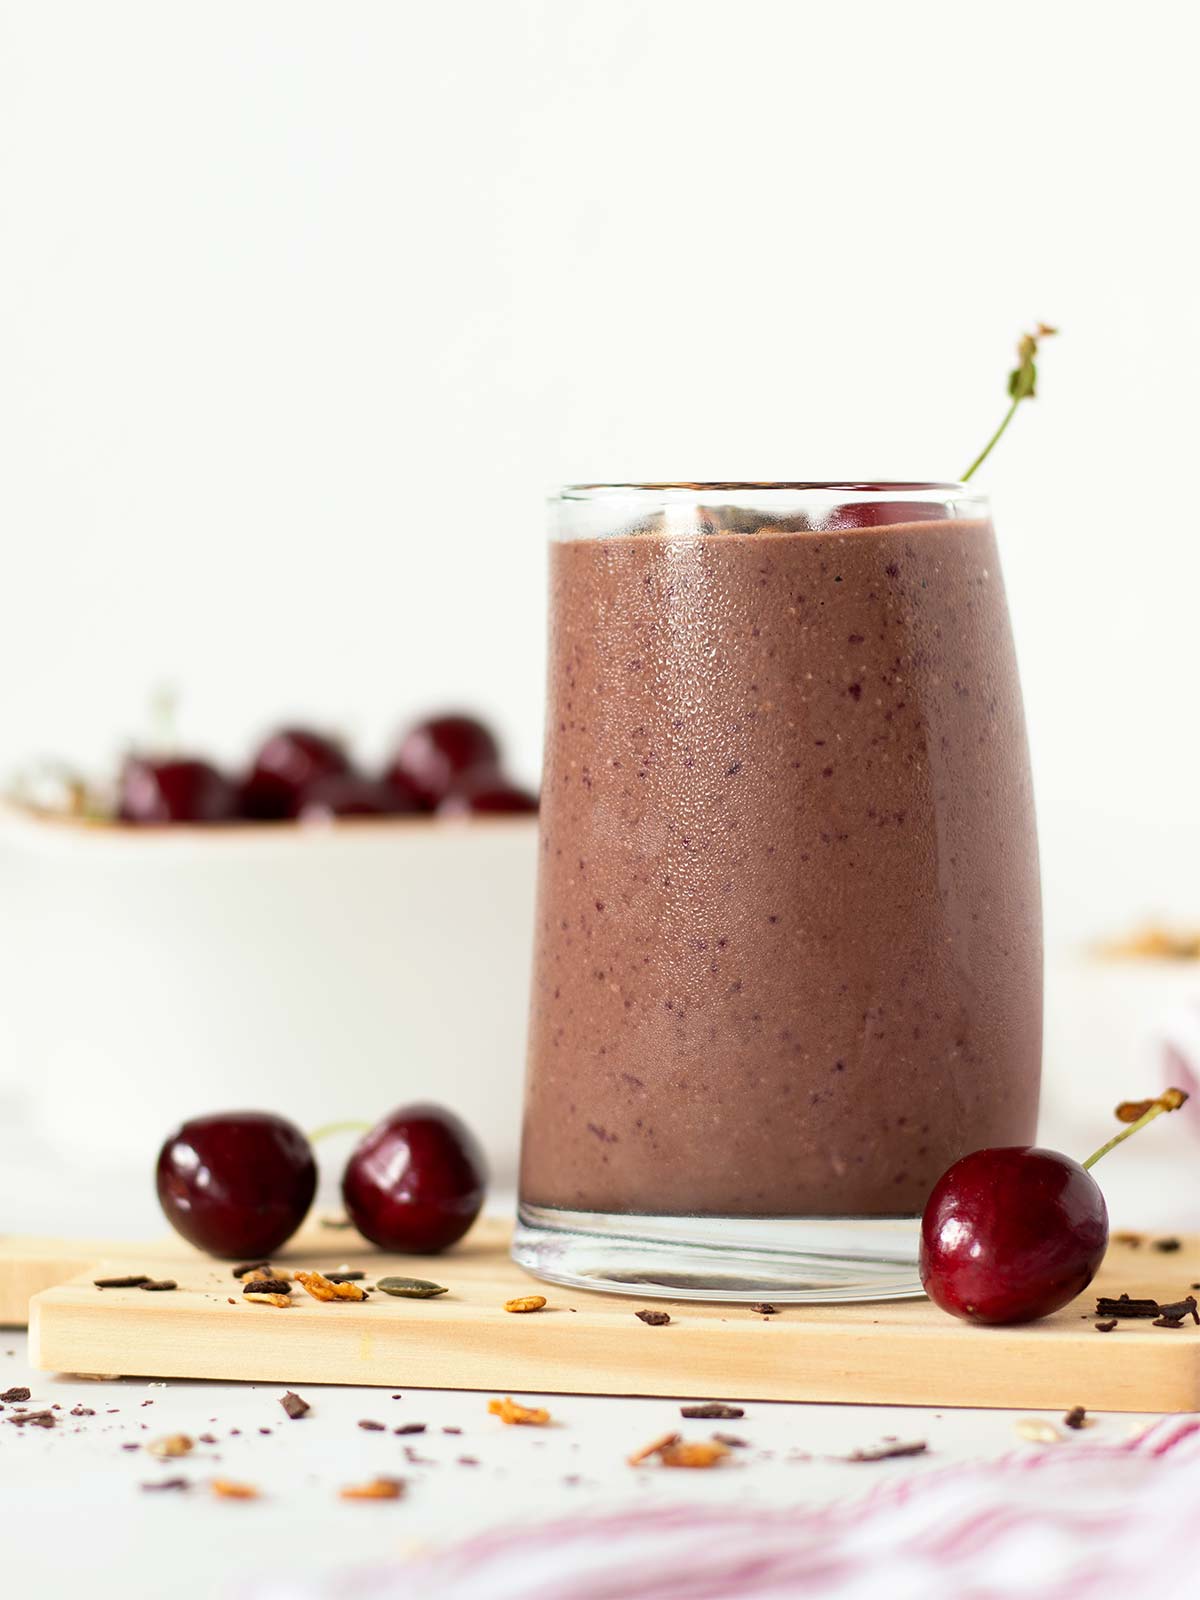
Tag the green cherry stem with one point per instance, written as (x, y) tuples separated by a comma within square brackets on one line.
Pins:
[(329, 1128), (1022, 385), (1137, 1113)]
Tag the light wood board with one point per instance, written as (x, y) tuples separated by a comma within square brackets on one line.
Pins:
[(885, 1353)]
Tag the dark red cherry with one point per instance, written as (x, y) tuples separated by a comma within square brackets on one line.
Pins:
[(878, 513), (415, 1183), (286, 768), (487, 794), (1012, 1234), (238, 1183), (174, 790), (436, 756), (345, 795)]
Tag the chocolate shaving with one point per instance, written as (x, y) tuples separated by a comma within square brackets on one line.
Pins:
[(418, 1427), (159, 1283), (715, 1409), (1167, 1322), (135, 1280), (1075, 1418), (169, 1483), (266, 1286), (888, 1452), (38, 1419), (653, 1319), (14, 1394), (373, 1427), (294, 1405), (1123, 1306)]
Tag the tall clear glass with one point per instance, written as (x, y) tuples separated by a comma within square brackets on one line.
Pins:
[(788, 963)]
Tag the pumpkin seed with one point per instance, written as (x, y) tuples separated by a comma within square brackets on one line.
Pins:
[(411, 1288)]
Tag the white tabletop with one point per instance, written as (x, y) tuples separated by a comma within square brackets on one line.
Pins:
[(75, 1492)]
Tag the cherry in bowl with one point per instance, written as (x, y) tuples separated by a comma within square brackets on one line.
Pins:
[(156, 790), (286, 769), (415, 1183), (438, 755), (237, 1184)]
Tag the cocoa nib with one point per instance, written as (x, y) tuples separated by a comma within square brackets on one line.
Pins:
[(887, 1452), (14, 1394), (765, 1310), (266, 1286), (653, 1319), (82, 1411), (1168, 1245), (159, 1283), (294, 1406), (1107, 1326), (373, 1427), (716, 1409), (1075, 1418), (1123, 1306), (37, 1419), (418, 1427), (135, 1280)]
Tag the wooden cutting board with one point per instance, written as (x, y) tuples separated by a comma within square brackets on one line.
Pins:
[(904, 1352)]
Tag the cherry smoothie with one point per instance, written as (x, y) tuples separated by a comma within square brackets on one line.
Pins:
[(788, 957)]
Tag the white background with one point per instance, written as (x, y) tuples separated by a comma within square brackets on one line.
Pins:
[(303, 308)]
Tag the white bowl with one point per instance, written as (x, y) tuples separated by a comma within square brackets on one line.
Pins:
[(333, 972)]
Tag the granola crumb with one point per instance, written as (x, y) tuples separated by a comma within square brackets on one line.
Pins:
[(508, 1410), (526, 1302), (653, 1319), (654, 1448), (1038, 1431), (174, 1444), (280, 1300), (376, 1489), (226, 1489), (698, 1453), (322, 1288)]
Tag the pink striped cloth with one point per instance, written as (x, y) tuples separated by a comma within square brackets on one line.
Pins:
[(1072, 1521)]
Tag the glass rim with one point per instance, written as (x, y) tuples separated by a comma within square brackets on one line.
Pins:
[(751, 486)]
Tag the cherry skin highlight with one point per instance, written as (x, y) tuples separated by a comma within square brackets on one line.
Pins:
[(1012, 1234), (415, 1182), (174, 789), (436, 755), (285, 770), (238, 1183)]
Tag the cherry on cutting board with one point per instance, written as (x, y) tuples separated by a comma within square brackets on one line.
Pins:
[(437, 755), (286, 769), (1015, 1233), (345, 795), (236, 1183), (489, 794), (415, 1182), (174, 789)]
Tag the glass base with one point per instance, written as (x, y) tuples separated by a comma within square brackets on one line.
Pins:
[(780, 1259)]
